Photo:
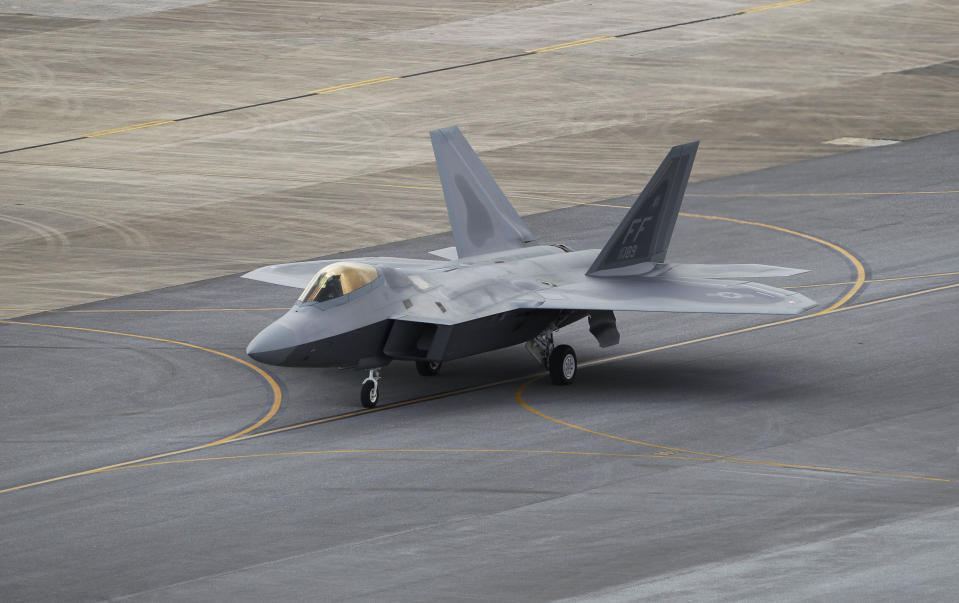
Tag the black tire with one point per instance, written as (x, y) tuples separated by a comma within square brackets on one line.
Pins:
[(562, 365), (369, 395), (428, 368)]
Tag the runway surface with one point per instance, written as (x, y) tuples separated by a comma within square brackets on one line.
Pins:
[(705, 458)]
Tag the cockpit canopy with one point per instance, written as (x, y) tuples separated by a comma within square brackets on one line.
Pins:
[(337, 280)]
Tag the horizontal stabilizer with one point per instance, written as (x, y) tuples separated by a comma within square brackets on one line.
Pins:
[(447, 253)]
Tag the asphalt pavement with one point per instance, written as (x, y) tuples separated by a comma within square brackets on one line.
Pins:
[(144, 457)]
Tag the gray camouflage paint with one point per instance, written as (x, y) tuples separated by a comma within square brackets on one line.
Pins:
[(500, 289)]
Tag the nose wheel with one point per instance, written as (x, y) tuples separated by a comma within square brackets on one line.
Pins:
[(370, 391)]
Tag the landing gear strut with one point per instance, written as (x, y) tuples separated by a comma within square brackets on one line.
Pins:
[(428, 368), (560, 361), (370, 392), (540, 347)]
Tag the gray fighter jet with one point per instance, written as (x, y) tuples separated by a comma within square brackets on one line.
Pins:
[(497, 287)]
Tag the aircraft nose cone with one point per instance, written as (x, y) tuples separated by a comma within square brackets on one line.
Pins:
[(273, 345)]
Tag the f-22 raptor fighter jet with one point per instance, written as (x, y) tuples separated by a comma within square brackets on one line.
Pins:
[(498, 287)]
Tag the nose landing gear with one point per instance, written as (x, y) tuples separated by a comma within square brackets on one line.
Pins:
[(370, 392), (559, 360)]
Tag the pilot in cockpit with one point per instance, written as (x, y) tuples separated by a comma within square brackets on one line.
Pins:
[(330, 289), (337, 280)]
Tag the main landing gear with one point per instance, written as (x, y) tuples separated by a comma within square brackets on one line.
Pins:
[(370, 392), (428, 368), (559, 360)]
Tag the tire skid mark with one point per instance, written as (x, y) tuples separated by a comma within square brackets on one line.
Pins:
[(50, 235)]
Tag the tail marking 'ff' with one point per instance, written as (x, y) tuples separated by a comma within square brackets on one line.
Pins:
[(643, 235)]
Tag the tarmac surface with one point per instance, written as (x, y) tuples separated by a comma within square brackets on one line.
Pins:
[(704, 458), (148, 144), (151, 151)]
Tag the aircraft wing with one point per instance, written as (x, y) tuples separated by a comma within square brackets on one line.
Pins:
[(729, 271), (659, 294), (299, 274)]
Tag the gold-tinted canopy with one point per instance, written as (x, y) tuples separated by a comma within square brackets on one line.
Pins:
[(338, 279)]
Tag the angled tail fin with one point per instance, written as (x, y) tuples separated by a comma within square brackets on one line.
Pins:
[(482, 219), (643, 235)]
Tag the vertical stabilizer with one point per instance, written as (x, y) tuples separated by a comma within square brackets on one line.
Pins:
[(482, 219), (643, 235)]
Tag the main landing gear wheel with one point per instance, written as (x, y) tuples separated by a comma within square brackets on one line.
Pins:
[(562, 365), (428, 368), (370, 392)]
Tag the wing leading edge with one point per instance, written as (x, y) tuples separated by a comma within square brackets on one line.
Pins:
[(660, 294), (299, 274)]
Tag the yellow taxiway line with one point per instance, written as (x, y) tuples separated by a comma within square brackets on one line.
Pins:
[(245, 434), (896, 297), (784, 4), (665, 451), (146, 124), (387, 78), (519, 392), (877, 280), (518, 395), (860, 269), (369, 82), (274, 406), (857, 264), (563, 45)]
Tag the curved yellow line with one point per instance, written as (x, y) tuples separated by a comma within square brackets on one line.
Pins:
[(521, 378), (857, 264), (836, 306), (278, 395), (709, 456), (390, 406), (274, 407), (519, 394), (663, 449), (531, 378)]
